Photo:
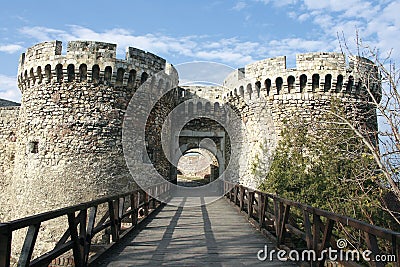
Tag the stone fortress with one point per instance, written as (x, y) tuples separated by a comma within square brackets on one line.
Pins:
[(63, 144)]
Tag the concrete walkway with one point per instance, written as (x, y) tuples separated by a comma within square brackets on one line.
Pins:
[(210, 235)]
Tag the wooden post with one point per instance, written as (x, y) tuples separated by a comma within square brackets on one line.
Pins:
[(325, 240), (156, 194), (121, 207), (277, 216), (134, 207), (76, 249), (316, 231), (307, 229), (225, 191), (250, 204), (315, 235), (153, 199), (82, 236), (396, 249), (5, 244), (284, 211), (261, 210), (372, 244), (241, 200), (82, 230), (232, 192), (146, 204), (89, 232), (29, 245), (235, 197), (113, 209), (150, 190)]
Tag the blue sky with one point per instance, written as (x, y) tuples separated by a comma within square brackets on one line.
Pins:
[(230, 32)]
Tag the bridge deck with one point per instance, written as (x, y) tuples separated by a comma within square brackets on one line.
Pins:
[(211, 235)]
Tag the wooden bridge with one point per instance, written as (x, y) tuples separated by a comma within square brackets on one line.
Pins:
[(242, 229)]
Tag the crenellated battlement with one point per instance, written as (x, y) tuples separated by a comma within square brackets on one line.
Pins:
[(73, 125), (202, 107), (321, 72), (85, 61)]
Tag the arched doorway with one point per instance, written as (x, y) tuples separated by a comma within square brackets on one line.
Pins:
[(197, 167)]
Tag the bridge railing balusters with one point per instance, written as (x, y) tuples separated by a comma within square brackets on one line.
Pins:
[(273, 213), (82, 226), (29, 244)]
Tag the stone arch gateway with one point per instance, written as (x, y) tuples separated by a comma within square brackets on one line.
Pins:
[(74, 108)]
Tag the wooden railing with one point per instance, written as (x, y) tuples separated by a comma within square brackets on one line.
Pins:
[(82, 226), (316, 229)]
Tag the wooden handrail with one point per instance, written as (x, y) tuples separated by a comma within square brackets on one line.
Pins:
[(81, 228), (271, 213)]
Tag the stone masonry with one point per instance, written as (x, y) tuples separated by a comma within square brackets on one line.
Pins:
[(63, 144), (8, 129), (266, 94)]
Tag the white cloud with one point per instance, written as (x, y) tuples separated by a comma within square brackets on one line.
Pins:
[(9, 89), (239, 6), (222, 55), (291, 46), (364, 9), (303, 17), (42, 33), (376, 22), (152, 42), (10, 48), (331, 5), (209, 72), (281, 3), (228, 50), (232, 51), (278, 3)]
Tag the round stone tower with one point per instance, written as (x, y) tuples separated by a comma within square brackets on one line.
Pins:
[(267, 94), (70, 124)]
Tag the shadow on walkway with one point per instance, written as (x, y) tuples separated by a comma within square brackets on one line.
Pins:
[(209, 235)]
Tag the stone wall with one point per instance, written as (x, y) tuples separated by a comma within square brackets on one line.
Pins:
[(69, 138), (64, 144), (209, 93), (73, 105), (68, 145), (8, 128), (267, 94)]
